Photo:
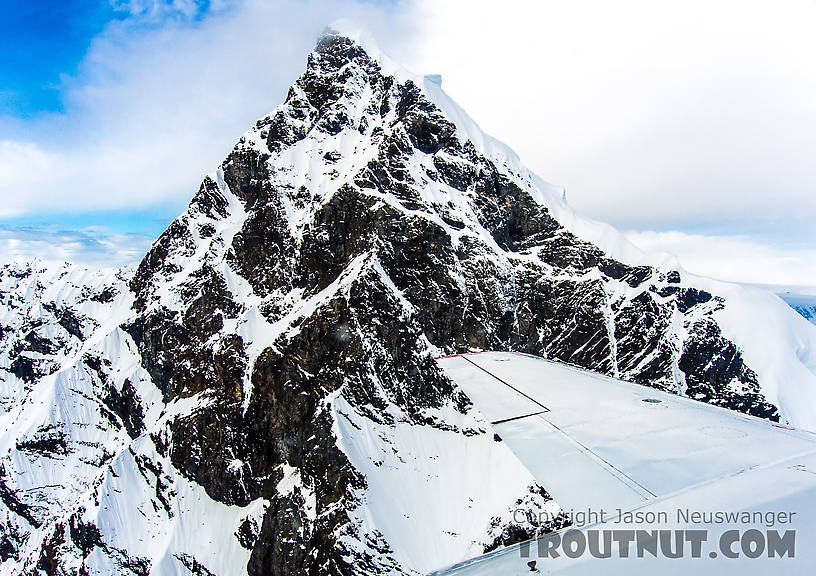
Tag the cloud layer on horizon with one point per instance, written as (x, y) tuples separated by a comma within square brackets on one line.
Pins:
[(733, 258), (97, 247)]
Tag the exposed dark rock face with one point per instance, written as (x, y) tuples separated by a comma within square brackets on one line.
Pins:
[(47, 440), (707, 359), (348, 237)]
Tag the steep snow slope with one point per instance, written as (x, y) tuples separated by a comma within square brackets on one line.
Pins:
[(79, 486), (264, 385), (87, 483), (778, 344)]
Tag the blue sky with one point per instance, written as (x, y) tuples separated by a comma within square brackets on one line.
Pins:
[(111, 112), (45, 41), (41, 42)]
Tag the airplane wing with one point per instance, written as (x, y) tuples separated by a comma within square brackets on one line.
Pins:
[(600, 444)]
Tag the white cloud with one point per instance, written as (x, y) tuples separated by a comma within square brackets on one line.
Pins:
[(157, 8), (155, 107), (22, 166), (652, 114)]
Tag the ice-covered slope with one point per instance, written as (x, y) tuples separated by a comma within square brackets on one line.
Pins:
[(264, 380), (776, 342), (804, 303)]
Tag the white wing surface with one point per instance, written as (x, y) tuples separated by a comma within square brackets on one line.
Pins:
[(600, 444)]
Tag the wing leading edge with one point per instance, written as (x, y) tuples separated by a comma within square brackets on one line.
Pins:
[(598, 444)]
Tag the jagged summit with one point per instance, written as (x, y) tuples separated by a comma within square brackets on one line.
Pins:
[(260, 396), (551, 195)]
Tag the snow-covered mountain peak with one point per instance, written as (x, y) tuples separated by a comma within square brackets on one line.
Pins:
[(266, 376)]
